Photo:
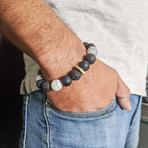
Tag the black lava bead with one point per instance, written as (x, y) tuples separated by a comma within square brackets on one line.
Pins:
[(90, 45), (91, 58), (75, 74), (84, 65), (39, 83), (66, 80), (46, 86)]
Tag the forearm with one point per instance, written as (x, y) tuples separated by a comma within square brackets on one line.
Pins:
[(35, 29)]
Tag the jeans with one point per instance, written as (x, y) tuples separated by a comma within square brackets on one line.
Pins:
[(45, 126)]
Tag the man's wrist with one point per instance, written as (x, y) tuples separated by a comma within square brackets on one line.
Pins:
[(60, 61)]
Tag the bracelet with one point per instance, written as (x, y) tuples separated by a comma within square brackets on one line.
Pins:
[(90, 58)]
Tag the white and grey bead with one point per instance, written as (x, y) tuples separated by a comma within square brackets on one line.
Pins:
[(56, 85), (89, 45), (92, 50), (38, 77)]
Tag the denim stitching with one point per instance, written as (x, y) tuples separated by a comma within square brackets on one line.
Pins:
[(25, 119), (48, 128), (93, 114), (140, 97), (110, 109)]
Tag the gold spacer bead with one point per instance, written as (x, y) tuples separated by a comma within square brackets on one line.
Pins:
[(80, 69)]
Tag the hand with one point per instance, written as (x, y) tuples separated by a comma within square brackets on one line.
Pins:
[(93, 91)]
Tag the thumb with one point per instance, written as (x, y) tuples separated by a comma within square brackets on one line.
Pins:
[(123, 95)]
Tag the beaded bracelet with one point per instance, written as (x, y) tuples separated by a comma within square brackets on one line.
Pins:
[(90, 58)]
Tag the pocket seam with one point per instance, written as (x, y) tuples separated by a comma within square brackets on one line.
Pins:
[(112, 106)]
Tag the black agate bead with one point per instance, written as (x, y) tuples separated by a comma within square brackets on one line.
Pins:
[(89, 45), (66, 80), (84, 65), (39, 83), (85, 44), (75, 74), (39, 72), (91, 58)]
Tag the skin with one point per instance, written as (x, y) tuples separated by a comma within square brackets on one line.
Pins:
[(35, 29)]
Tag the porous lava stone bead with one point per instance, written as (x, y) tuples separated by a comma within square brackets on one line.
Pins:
[(75, 74), (46, 86), (91, 58), (90, 45), (84, 65), (66, 80), (39, 83)]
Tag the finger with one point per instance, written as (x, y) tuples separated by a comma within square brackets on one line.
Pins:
[(123, 95)]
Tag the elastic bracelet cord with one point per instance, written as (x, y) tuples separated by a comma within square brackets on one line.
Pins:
[(56, 85)]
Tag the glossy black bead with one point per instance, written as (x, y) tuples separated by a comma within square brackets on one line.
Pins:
[(46, 86), (39, 83), (39, 72), (91, 58), (84, 65), (90, 45), (85, 44), (75, 74), (66, 80)]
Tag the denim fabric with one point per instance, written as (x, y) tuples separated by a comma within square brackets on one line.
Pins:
[(47, 127)]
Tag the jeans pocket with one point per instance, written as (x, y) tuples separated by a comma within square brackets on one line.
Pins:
[(79, 130), (99, 113)]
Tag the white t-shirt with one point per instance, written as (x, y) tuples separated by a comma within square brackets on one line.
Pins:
[(118, 28)]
